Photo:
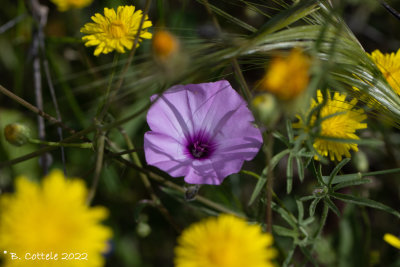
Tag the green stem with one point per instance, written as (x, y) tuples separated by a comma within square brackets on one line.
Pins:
[(274, 195), (99, 166), (270, 176), (35, 109), (178, 188), (103, 107), (135, 158), (59, 144)]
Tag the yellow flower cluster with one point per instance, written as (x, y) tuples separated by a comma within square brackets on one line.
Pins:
[(52, 220), (339, 119), (226, 241), (389, 65), (115, 30), (64, 5), (287, 77)]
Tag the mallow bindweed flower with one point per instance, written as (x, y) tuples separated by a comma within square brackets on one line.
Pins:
[(203, 132)]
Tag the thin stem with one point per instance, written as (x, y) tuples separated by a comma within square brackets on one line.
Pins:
[(131, 55), (43, 150), (274, 195), (35, 109), (102, 109), (270, 177), (11, 23), (235, 63), (55, 103), (98, 168), (59, 144), (238, 71), (172, 185), (135, 158)]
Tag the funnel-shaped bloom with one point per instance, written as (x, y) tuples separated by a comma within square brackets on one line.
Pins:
[(201, 131)]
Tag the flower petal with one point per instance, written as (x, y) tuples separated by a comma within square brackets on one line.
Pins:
[(166, 153)]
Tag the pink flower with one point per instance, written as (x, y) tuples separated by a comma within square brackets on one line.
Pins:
[(203, 132)]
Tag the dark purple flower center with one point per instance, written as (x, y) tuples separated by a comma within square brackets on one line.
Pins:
[(199, 146), (198, 149)]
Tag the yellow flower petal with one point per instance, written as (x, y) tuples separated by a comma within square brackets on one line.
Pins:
[(342, 125), (389, 65), (287, 77), (392, 240), (226, 241), (64, 5), (116, 30), (52, 218)]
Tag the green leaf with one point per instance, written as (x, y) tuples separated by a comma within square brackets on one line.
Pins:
[(308, 221), (283, 231), (300, 209), (332, 206), (352, 183), (365, 142), (318, 173), (289, 130), (281, 137), (300, 168), (337, 169), (313, 206), (289, 174), (288, 217), (365, 202), (306, 198), (263, 179), (343, 178), (289, 256)]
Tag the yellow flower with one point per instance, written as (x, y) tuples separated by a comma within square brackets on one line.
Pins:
[(392, 240), (389, 65), (51, 218), (226, 241), (342, 121), (287, 77), (164, 44), (64, 5), (115, 30)]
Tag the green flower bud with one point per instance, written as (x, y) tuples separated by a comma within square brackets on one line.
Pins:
[(17, 134), (266, 109), (360, 161)]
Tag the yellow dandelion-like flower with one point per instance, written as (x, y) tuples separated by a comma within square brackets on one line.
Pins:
[(51, 220), (64, 5), (115, 30), (226, 241), (287, 77), (389, 65), (392, 240), (342, 121)]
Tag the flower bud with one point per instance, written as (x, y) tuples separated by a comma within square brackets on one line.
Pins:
[(164, 44), (17, 134), (266, 109), (360, 161)]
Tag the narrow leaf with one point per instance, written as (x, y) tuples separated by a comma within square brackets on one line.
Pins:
[(365, 202), (263, 179), (289, 174), (332, 206)]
